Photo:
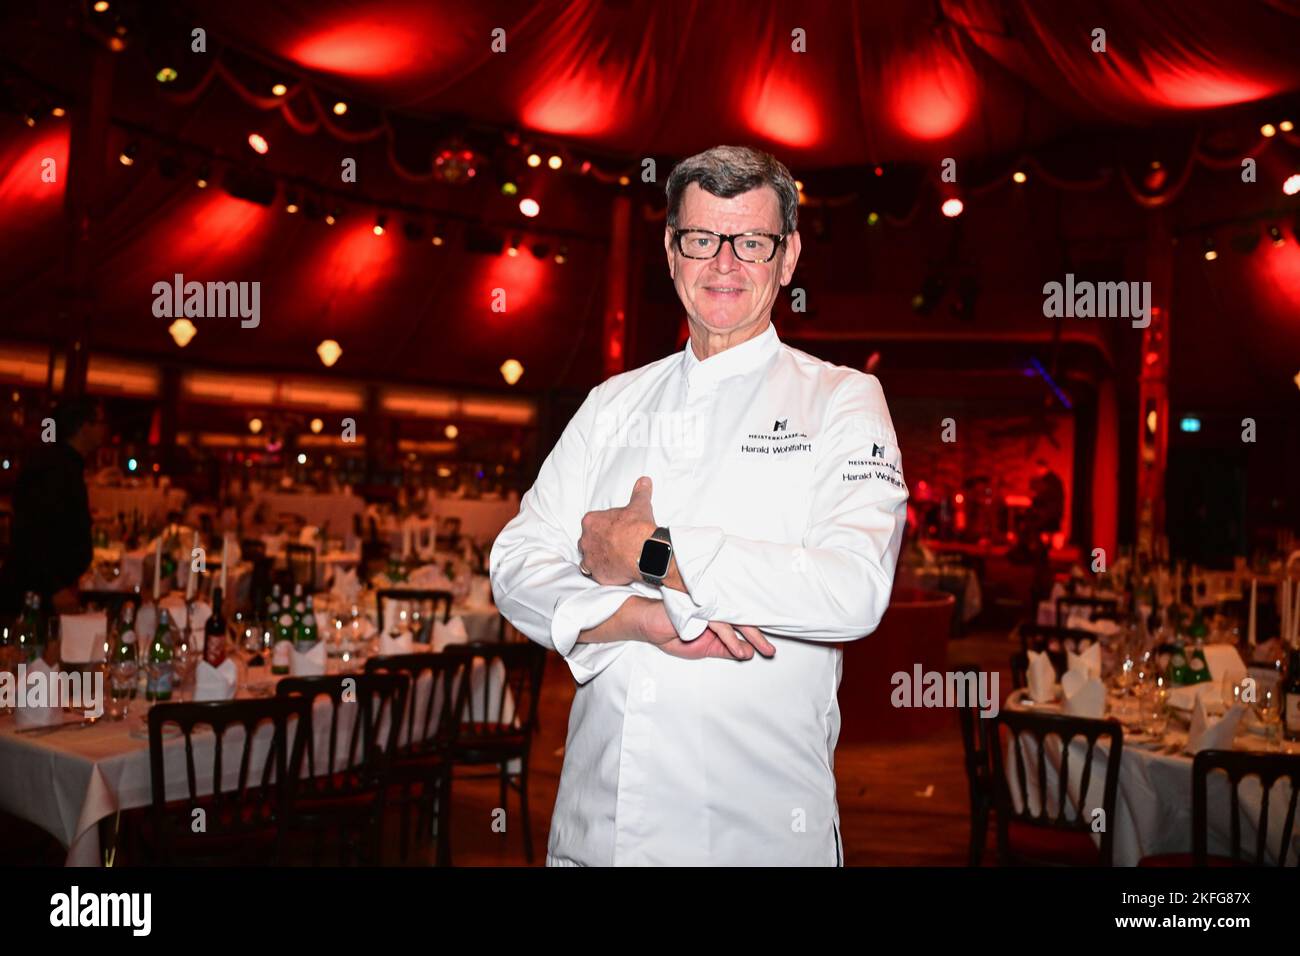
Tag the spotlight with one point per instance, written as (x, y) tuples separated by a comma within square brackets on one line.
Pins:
[(331, 217), (437, 239), (623, 180), (451, 431), (1210, 253), (166, 75), (182, 331), (302, 458), (1276, 235), (932, 291), (380, 221), (534, 160), (873, 218), (562, 255), (101, 6), (291, 202), (1292, 184), (340, 108), (511, 371), (58, 111), (116, 44), (798, 184), (555, 162), (255, 425), (204, 176), (1267, 130), (128, 154), (279, 89), (329, 352), (529, 207), (258, 143), (585, 167), (1019, 176), (29, 119), (509, 188), (952, 207), (1286, 126), (317, 426), (131, 464)]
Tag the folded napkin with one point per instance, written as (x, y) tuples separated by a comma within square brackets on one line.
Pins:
[(1088, 663), (1223, 659), (175, 605), (1042, 678), (453, 632), (308, 534), (1208, 734), (346, 586), (396, 644), (1085, 696), (82, 637), (43, 716), (1207, 693), (215, 683), (310, 664)]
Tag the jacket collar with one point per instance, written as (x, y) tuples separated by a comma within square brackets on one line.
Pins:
[(738, 360)]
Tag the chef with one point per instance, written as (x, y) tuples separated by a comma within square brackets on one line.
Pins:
[(706, 534)]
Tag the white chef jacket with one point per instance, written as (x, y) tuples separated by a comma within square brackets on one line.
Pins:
[(779, 478)]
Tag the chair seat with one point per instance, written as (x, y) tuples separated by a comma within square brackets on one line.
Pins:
[(247, 836), (1186, 859), (1044, 845), (343, 794)]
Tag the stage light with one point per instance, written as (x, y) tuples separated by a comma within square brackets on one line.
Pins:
[(182, 331), (58, 111), (451, 431), (128, 154), (291, 203), (511, 371), (255, 425), (1276, 235), (509, 189), (166, 75), (513, 248), (330, 219), (555, 162), (1189, 423), (623, 180), (101, 6), (317, 426), (585, 167), (1292, 184), (116, 44), (131, 464), (1286, 126), (204, 176), (436, 240), (562, 255), (1296, 379), (29, 119), (329, 352), (1210, 252), (340, 108), (279, 89), (302, 458), (873, 218), (534, 160), (380, 221), (1267, 130), (529, 207), (258, 143), (1019, 176), (798, 184), (880, 170), (952, 207)]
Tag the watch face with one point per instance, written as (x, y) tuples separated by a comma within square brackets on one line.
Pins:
[(655, 556)]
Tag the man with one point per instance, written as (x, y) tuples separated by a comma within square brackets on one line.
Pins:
[(765, 515), (51, 545)]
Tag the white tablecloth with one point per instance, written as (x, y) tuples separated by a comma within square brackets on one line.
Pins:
[(152, 503), (336, 510), (1153, 804), (67, 781)]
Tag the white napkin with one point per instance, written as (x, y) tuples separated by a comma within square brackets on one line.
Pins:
[(480, 589), (453, 632), (400, 644), (1089, 662), (310, 664), (1223, 659), (308, 534), (1085, 696), (175, 605), (215, 683), (82, 637), (346, 587), (1208, 694), (1205, 734), (38, 716), (1042, 678)]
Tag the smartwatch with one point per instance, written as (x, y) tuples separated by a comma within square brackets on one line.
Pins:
[(656, 556)]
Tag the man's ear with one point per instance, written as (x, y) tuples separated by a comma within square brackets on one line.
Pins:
[(791, 257), (668, 251)]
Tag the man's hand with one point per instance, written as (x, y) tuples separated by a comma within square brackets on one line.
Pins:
[(720, 639), (611, 540)]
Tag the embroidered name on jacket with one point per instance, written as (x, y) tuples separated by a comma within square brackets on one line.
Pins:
[(779, 442)]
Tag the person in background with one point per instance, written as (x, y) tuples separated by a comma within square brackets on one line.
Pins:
[(51, 545)]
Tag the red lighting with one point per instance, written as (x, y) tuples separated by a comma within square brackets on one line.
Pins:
[(952, 207), (960, 498), (933, 95), (258, 143), (1152, 358), (780, 110)]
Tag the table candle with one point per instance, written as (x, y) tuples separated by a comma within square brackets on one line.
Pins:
[(1250, 629), (225, 562), (157, 569), (193, 575)]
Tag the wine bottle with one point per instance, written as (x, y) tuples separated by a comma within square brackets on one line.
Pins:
[(158, 686), (214, 633), (1291, 698)]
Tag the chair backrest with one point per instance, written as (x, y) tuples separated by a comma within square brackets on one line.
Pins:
[(1238, 764), (250, 549), (1023, 725), (1097, 607), (365, 709), (510, 708), (975, 739), (1055, 642), (437, 686), (439, 599), (301, 561), (251, 801)]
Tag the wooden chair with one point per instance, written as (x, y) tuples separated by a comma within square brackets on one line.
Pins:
[(439, 599), (448, 537), (420, 774), (1056, 642), (300, 559), (1098, 607), (241, 817), (1269, 768), (342, 792), (975, 739), (490, 735), (1038, 838)]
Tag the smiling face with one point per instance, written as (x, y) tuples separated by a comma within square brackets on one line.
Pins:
[(728, 301)]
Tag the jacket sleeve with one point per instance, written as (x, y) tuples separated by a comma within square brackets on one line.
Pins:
[(836, 585), (534, 560)]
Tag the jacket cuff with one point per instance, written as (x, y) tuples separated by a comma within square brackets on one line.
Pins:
[(695, 549), (688, 617), (584, 610)]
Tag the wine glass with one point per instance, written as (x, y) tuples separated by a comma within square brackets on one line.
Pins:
[(1270, 716)]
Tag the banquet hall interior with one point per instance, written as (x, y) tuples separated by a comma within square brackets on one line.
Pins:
[(296, 298)]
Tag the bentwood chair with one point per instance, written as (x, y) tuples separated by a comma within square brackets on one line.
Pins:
[(338, 770), (1036, 832), (420, 774), (440, 609), (1056, 642), (233, 783), (300, 559), (499, 717), (1271, 846), (975, 738)]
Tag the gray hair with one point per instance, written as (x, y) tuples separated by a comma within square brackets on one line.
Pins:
[(728, 171)]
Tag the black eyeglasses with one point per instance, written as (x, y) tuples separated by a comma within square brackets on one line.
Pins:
[(703, 244)]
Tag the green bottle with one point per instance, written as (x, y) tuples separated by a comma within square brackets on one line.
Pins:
[(124, 658), (282, 628), (1198, 668), (306, 638), (158, 685)]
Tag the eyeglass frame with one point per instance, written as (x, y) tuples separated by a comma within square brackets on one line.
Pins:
[(778, 240)]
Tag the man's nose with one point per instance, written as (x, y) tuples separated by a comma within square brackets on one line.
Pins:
[(726, 259)]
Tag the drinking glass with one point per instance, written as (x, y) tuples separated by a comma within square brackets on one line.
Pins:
[(1270, 717)]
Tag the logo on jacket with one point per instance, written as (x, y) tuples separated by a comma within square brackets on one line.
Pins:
[(779, 424), (877, 451)]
